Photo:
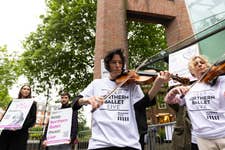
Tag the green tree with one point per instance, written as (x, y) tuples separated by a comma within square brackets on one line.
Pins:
[(9, 72), (144, 40), (61, 51)]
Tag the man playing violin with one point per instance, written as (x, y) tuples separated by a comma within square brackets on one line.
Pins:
[(114, 125), (205, 103)]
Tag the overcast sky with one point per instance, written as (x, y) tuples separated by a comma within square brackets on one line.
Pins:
[(18, 19)]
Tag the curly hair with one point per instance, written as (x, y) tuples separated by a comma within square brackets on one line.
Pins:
[(191, 64), (109, 57)]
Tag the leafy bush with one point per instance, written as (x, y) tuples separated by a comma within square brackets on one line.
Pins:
[(36, 133)]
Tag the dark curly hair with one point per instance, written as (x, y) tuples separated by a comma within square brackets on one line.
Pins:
[(110, 55)]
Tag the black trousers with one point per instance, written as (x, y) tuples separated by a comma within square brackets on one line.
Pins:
[(13, 140), (194, 146), (142, 141)]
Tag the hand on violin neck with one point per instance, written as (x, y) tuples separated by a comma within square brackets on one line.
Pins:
[(163, 77)]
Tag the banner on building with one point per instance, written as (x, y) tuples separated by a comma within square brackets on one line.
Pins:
[(178, 63)]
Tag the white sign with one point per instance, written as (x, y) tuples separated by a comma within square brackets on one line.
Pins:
[(169, 132), (104, 72), (16, 114), (178, 62), (59, 127)]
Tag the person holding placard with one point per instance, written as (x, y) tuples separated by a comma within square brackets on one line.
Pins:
[(16, 139), (65, 98)]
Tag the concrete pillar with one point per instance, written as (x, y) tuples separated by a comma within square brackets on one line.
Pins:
[(111, 30)]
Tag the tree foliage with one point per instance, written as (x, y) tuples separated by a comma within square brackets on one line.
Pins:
[(9, 72), (144, 40), (60, 52)]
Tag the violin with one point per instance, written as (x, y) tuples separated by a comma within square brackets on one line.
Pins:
[(213, 72), (142, 77), (133, 76)]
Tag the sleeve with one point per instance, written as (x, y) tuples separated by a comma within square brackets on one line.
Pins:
[(89, 90), (145, 102), (137, 93), (75, 105), (31, 117), (74, 127), (140, 113)]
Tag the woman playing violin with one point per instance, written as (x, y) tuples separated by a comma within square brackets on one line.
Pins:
[(205, 103), (114, 125)]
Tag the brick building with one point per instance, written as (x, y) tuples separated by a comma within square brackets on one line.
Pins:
[(181, 19), (111, 32)]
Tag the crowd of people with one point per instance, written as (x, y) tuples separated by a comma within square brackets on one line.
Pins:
[(119, 110)]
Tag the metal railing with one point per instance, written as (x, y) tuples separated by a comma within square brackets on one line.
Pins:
[(158, 137)]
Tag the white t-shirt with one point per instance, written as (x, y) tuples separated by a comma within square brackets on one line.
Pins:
[(114, 123), (206, 108)]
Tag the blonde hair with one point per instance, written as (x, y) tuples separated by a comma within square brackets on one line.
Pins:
[(191, 64)]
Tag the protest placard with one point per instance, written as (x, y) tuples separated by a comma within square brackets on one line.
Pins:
[(16, 114), (59, 127), (178, 63)]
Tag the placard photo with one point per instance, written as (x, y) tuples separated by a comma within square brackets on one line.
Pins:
[(16, 114)]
